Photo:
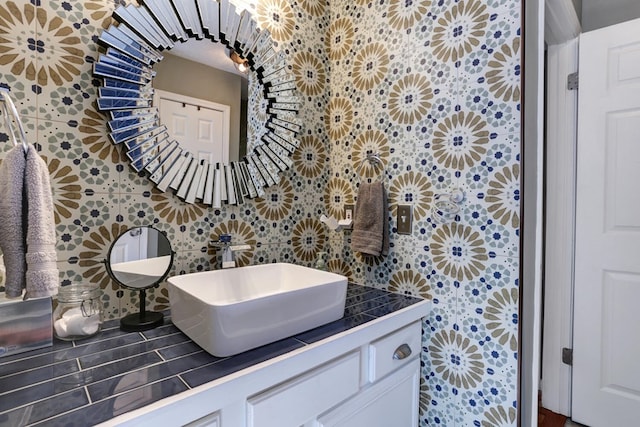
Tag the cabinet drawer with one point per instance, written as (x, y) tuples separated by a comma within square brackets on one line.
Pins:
[(394, 350), (301, 399)]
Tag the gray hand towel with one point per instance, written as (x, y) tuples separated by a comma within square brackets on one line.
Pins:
[(11, 220), (370, 234), (42, 271)]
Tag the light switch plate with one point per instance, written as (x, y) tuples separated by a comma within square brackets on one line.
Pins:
[(404, 219)]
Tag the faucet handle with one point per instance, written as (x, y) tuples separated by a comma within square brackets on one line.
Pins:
[(238, 248), (224, 240)]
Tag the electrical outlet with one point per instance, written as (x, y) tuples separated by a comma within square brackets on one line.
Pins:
[(404, 219), (348, 212)]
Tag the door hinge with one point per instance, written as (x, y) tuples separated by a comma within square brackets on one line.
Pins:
[(567, 356), (572, 81)]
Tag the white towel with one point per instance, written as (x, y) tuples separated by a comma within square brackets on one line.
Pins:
[(11, 220), (42, 272)]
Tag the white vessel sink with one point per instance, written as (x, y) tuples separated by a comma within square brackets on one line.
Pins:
[(230, 311)]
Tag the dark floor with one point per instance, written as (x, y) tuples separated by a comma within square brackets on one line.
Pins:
[(546, 418)]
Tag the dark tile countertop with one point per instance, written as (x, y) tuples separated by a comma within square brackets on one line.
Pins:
[(90, 381)]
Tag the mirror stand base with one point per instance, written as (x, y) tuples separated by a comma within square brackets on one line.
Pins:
[(136, 322)]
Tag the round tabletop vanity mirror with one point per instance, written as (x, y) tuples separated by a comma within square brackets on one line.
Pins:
[(140, 258)]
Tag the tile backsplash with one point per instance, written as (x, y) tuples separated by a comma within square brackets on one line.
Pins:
[(432, 86)]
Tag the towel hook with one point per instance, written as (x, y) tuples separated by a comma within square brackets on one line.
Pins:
[(446, 206), (8, 107)]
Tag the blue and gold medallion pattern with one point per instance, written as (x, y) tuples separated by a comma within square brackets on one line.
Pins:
[(432, 86)]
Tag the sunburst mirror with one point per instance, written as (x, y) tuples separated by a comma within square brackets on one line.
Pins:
[(142, 34)]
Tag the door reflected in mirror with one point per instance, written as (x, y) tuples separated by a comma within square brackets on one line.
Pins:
[(195, 83)]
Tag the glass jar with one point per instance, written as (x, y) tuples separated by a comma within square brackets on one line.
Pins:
[(79, 312)]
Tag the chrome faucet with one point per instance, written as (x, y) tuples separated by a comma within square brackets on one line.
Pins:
[(228, 250)]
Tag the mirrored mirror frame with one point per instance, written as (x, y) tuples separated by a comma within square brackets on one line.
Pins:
[(126, 95)]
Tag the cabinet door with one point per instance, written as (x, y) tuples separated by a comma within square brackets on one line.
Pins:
[(390, 402), (303, 398), (211, 420)]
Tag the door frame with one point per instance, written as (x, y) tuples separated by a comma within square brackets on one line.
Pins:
[(562, 29), (561, 146)]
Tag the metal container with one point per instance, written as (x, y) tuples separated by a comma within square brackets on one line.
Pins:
[(24, 325)]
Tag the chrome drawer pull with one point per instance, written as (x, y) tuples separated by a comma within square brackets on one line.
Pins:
[(402, 352)]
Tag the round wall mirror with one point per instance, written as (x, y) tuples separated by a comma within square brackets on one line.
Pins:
[(139, 259), (144, 35)]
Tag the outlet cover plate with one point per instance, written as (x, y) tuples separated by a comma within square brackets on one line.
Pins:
[(347, 209), (404, 219)]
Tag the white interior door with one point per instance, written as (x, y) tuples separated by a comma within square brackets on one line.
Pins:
[(132, 246), (200, 126), (606, 368)]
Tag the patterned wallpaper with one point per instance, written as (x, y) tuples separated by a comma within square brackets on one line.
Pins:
[(432, 86)]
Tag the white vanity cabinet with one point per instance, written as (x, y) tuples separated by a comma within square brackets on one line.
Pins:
[(391, 402), (300, 399), (390, 397), (377, 385), (367, 376)]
